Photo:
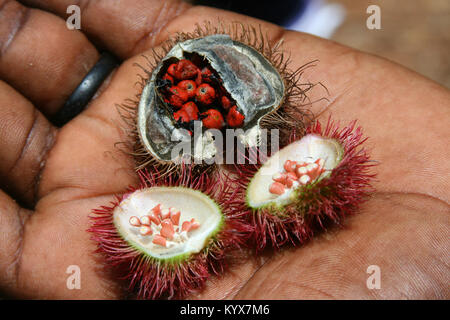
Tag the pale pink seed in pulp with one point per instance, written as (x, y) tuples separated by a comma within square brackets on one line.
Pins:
[(292, 176), (134, 221), (145, 220), (157, 210), (290, 182), (276, 188), (145, 230), (289, 165), (175, 217), (194, 225), (185, 226), (159, 240), (165, 213), (301, 171), (277, 177), (154, 219), (189, 225), (320, 162), (167, 230), (304, 179)]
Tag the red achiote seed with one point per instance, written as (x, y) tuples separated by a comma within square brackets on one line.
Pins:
[(198, 79), (169, 78), (178, 96), (206, 74), (181, 115), (213, 120), (172, 69), (205, 94), (191, 109), (235, 118), (189, 86), (226, 102), (185, 69)]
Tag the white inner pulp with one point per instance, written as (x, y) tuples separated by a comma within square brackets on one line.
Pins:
[(166, 222), (296, 165)]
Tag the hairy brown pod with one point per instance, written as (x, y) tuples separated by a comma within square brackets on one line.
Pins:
[(242, 66)]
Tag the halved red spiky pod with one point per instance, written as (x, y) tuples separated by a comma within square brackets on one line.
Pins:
[(153, 279), (328, 200)]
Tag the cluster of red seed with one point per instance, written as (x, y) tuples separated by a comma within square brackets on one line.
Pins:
[(166, 220), (197, 94), (302, 172)]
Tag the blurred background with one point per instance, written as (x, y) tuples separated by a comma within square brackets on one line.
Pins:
[(414, 33)]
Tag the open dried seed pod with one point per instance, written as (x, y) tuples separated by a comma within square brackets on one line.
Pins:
[(321, 177), (216, 78), (166, 237)]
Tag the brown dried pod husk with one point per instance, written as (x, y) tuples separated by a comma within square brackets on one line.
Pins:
[(254, 72)]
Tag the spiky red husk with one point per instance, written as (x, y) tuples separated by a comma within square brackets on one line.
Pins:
[(152, 279), (328, 200)]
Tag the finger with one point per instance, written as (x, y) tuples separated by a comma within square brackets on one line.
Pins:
[(412, 264), (126, 27), (12, 220), (40, 57), (150, 22), (26, 137), (387, 108), (88, 142)]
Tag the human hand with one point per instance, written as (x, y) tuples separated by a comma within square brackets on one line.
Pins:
[(62, 174)]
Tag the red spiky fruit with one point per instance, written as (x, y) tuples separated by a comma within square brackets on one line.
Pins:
[(320, 178), (169, 235)]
